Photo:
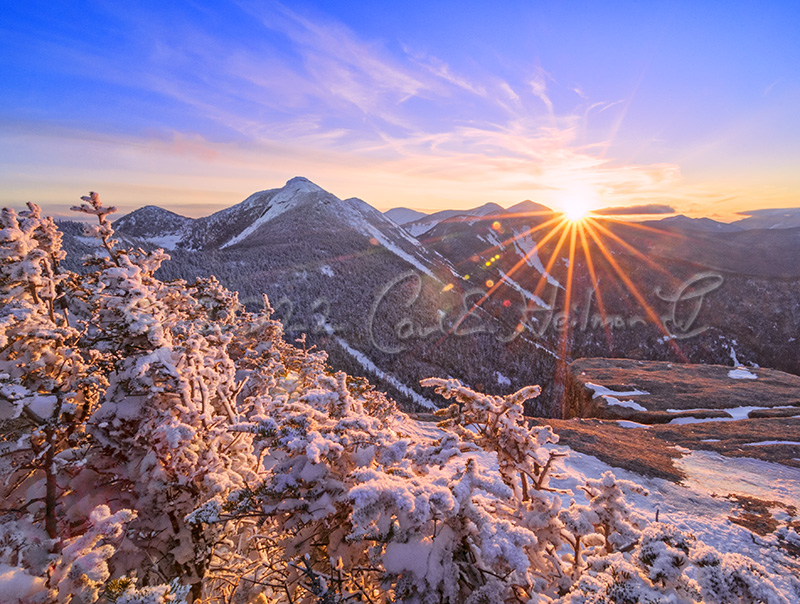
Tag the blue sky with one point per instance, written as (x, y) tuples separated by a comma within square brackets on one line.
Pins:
[(195, 105)]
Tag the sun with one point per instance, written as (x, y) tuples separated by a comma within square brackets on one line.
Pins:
[(576, 200), (576, 210)]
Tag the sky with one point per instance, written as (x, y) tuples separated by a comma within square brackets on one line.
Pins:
[(431, 104)]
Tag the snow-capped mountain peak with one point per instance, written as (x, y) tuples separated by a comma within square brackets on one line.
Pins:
[(298, 211), (296, 191)]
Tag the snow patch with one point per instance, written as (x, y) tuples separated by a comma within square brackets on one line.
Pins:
[(610, 400), (736, 413), (682, 421), (283, 201), (599, 390), (528, 249), (374, 232), (734, 358), (501, 379), (716, 473), (524, 292), (167, 242), (367, 364), (740, 373), (624, 423)]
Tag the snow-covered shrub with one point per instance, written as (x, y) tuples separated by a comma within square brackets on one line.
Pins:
[(426, 517), (612, 515), (733, 579), (670, 566), (162, 434), (497, 424), (120, 391), (82, 570), (49, 387)]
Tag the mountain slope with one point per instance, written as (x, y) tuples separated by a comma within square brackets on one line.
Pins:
[(685, 223), (425, 224), (156, 226), (276, 217), (338, 271), (402, 216), (771, 218)]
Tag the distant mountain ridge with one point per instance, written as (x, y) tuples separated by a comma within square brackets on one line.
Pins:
[(426, 223), (262, 217), (681, 222), (403, 215), (771, 218), (765, 219)]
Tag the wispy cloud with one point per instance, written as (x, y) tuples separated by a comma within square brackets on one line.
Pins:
[(308, 95)]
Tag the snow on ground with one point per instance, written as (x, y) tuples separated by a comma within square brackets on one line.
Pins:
[(765, 443), (282, 202), (624, 423), (524, 292), (736, 413), (734, 358), (742, 475), (610, 400), (167, 242), (610, 396), (417, 229), (682, 421), (740, 373), (699, 506), (527, 248), (602, 391), (380, 238)]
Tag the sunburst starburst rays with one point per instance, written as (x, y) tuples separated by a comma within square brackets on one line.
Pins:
[(583, 235)]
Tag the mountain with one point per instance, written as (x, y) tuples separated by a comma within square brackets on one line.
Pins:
[(380, 303), (417, 222), (528, 207), (394, 308), (276, 217), (765, 219), (650, 293), (425, 224), (402, 216), (685, 223), (779, 218), (155, 225), (758, 253)]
